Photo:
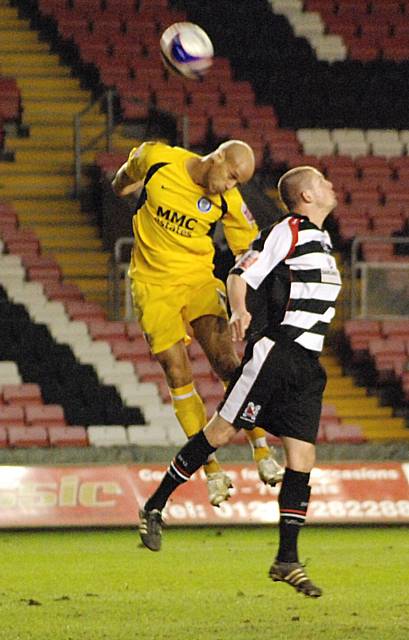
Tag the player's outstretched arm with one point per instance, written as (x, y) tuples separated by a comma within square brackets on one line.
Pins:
[(123, 185)]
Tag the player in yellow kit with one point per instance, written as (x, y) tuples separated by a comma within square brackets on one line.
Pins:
[(183, 195)]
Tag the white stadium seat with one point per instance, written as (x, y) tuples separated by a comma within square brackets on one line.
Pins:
[(146, 436), (111, 436)]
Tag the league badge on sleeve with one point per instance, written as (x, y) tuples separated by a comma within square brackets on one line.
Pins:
[(247, 213)]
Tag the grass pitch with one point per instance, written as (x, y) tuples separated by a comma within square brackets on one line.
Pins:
[(206, 584)]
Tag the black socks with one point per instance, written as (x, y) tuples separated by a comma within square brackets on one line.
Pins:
[(189, 459), (293, 502)]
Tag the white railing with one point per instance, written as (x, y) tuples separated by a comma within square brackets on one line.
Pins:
[(379, 288)]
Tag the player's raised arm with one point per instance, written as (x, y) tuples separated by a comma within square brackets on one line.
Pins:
[(123, 184)]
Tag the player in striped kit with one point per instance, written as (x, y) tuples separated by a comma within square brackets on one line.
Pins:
[(280, 381)]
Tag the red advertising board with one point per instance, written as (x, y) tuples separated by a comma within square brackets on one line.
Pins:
[(347, 493)]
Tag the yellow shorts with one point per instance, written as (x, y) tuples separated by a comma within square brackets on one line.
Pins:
[(164, 312)]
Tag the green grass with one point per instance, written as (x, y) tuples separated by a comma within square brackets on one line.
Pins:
[(206, 584)]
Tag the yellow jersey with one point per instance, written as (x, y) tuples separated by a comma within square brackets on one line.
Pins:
[(175, 218)]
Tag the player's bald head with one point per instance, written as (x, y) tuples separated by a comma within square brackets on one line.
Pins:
[(293, 183), (239, 155)]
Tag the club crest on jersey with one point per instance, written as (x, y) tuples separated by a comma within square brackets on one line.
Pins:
[(250, 412), (204, 205)]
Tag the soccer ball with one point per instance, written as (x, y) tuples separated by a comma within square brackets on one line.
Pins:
[(187, 50)]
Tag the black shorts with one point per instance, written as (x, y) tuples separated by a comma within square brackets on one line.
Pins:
[(279, 387)]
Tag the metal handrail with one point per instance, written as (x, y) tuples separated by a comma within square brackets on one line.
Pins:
[(106, 133), (119, 269)]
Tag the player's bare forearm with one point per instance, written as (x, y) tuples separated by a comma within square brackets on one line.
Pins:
[(240, 317), (123, 185)]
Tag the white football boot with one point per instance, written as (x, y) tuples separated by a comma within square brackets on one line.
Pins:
[(218, 486), (270, 471)]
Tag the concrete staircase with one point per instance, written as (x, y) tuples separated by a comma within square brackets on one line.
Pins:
[(40, 181)]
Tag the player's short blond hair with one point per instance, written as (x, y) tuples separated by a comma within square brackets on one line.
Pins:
[(289, 185)]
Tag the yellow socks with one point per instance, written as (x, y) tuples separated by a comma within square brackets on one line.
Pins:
[(257, 439), (191, 414), (189, 409)]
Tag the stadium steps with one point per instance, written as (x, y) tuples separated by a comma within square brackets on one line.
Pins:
[(40, 181)]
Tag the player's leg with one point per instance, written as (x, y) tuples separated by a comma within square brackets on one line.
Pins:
[(299, 416), (213, 335), (191, 414), (190, 458), (293, 502), (159, 310)]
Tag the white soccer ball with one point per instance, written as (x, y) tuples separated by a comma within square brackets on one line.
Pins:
[(187, 50)]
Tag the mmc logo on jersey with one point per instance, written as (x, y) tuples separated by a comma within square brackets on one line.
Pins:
[(181, 224), (250, 412)]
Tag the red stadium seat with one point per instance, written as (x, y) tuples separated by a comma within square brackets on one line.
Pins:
[(45, 414), (148, 370), (62, 291), (195, 350), (22, 394), (390, 346), (82, 310), (41, 264), (87, 7), (202, 369), (209, 389), (22, 437), (100, 330), (328, 410), (344, 433), (395, 328), (130, 349), (67, 436), (12, 416), (110, 162), (362, 327), (3, 438), (133, 330)]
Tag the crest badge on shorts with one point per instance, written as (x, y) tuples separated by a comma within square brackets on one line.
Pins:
[(204, 205), (250, 412)]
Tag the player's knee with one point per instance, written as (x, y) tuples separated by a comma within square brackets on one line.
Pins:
[(225, 366), (219, 432), (177, 373)]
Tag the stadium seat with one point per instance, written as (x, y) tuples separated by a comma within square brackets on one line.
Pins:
[(344, 433), (130, 349), (107, 436), (147, 436), (12, 416), (3, 438), (73, 436), (44, 414), (148, 370), (22, 395), (82, 310), (395, 328), (24, 437)]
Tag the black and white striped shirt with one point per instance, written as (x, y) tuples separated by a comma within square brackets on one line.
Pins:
[(292, 265)]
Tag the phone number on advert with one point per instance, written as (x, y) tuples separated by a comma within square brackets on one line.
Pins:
[(357, 509)]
